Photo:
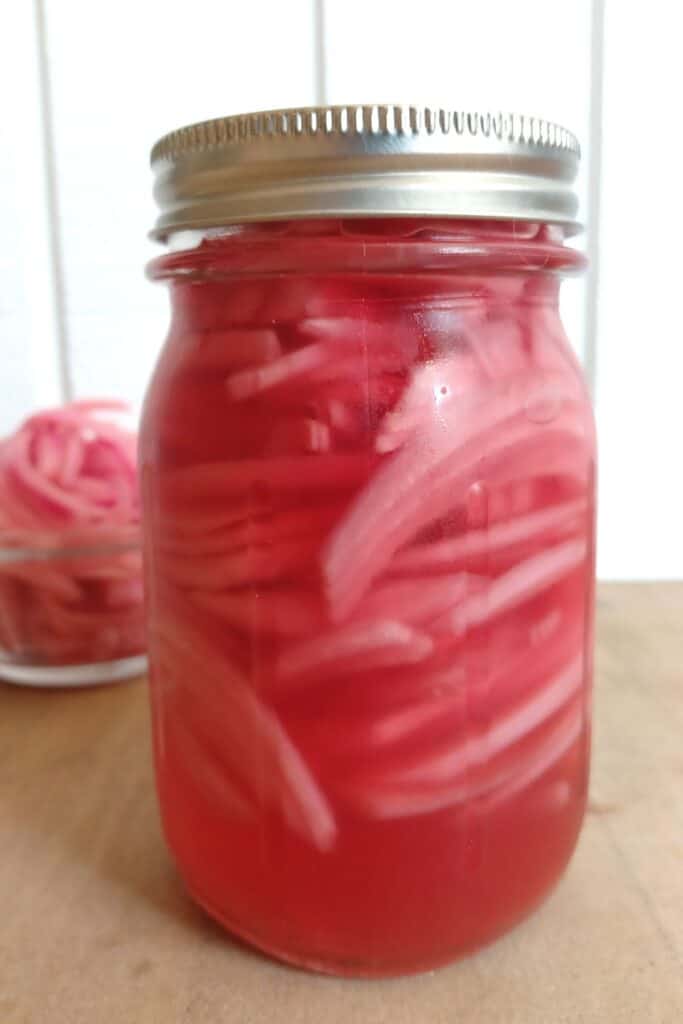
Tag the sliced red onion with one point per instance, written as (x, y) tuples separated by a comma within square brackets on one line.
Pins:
[(69, 516)]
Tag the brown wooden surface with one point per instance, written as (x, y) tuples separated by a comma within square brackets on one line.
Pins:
[(95, 926)]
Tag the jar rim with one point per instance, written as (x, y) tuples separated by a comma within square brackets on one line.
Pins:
[(452, 247)]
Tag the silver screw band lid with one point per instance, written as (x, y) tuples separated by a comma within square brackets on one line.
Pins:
[(364, 161)]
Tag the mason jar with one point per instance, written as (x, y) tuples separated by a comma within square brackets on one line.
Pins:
[(368, 466)]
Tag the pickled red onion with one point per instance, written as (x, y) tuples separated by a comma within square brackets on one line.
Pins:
[(70, 568), (69, 468)]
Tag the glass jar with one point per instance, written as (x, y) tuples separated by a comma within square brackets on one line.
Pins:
[(368, 467)]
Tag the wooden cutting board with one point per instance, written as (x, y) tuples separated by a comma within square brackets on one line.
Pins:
[(95, 926)]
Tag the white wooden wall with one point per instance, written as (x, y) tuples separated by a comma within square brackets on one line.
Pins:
[(87, 87)]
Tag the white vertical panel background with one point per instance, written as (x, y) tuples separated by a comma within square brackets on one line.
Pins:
[(131, 72), (90, 86), (640, 338), (29, 353)]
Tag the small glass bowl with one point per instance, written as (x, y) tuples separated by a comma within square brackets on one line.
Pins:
[(71, 610)]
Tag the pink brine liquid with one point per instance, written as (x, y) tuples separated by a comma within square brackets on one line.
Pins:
[(368, 470)]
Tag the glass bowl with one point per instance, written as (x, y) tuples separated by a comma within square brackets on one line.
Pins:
[(71, 608)]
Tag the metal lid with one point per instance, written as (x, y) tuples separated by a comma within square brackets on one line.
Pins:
[(364, 161)]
